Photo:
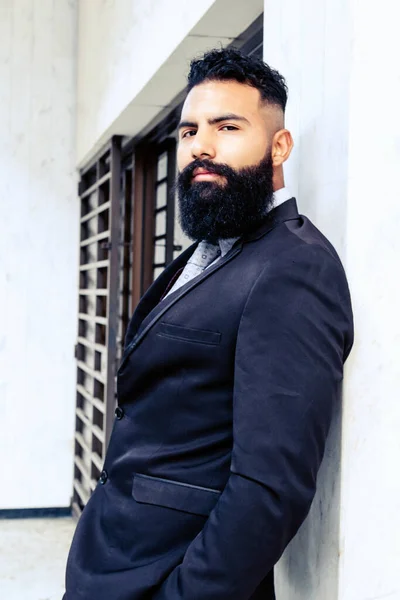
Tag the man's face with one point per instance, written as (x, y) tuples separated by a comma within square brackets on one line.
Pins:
[(225, 122), (225, 183)]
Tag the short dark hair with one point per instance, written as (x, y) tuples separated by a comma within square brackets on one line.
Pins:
[(227, 64)]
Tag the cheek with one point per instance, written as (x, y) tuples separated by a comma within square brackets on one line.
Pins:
[(242, 152), (183, 157)]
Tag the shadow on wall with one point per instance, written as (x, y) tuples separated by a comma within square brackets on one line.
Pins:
[(308, 569)]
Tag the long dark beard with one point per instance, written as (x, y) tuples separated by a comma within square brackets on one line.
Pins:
[(211, 211)]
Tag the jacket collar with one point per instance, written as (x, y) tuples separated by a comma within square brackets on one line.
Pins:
[(287, 211)]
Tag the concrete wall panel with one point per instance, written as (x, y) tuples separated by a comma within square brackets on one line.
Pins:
[(38, 251)]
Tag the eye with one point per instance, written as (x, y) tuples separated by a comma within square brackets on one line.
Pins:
[(188, 133), (229, 128)]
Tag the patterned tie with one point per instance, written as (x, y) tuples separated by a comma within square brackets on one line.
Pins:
[(203, 256)]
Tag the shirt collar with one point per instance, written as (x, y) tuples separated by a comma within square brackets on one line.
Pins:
[(226, 244), (280, 196)]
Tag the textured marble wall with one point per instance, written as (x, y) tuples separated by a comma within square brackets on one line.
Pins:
[(370, 498), (38, 251), (301, 40), (341, 63)]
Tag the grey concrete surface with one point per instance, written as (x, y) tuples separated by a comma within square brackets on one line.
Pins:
[(33, 553)]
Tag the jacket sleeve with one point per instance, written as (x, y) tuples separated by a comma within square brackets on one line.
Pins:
[(294, 335)]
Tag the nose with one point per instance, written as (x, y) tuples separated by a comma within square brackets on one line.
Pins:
[(202, 146)]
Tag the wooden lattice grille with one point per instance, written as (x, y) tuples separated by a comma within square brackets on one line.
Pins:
[(164, 207), (98, 322)]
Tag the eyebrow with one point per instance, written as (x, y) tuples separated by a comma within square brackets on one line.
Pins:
[(215, 120)]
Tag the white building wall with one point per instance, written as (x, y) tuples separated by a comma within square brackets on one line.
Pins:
[(38, 251), (301, 40), (370, 501), (340, 60)]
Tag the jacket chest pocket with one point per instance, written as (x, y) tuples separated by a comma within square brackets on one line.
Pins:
[(188, 334), (173, 494)]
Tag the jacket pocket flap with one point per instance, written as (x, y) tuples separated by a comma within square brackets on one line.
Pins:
[(174, 494), (189, 334)]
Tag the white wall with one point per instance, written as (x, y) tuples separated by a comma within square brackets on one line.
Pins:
[(301, 40), (340, 60), (38, 251), (134, 54), (370, 506)]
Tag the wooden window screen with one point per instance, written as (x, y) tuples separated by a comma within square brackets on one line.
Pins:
[(99, 191), (164, 207)]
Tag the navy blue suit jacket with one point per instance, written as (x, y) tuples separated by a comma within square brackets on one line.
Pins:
[(226, 391)]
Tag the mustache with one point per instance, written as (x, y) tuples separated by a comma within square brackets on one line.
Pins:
[(217, 168)]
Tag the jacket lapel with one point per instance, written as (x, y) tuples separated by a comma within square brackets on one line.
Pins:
[(167, 302), (154, 315), (152, 296)]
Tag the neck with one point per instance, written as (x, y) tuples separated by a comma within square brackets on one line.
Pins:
[(278, 180)]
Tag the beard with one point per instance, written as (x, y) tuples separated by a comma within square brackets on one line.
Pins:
[(211, 211)]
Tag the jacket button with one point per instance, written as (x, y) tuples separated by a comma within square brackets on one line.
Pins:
[(119, 413), (103, 477)]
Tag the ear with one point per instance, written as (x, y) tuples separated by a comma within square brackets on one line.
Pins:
[(282, 144)]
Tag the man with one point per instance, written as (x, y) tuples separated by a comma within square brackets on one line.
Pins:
[(232, 368)]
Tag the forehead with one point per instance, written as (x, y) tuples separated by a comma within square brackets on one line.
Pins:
[(213, 97)]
